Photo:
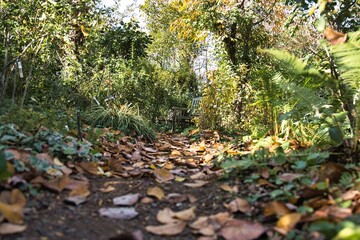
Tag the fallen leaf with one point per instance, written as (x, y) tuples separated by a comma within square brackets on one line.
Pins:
[(156, 192), (262, 182), (9, 228), (196, 184), (170, 229), (204, 226), (107, 189), (192, 198), (13, 213), (136, 156), (289, 177), (119, 213), (235, 228), (210, 224), (207, 157), (163, 175), (166, 216), (276, 208), (146, 200), (57, 184), (264, 172), (185, 215), (198, 176), (238, 205), (81, 190), (76, 200), (17, 197), (179, 179), (12, 205), (89, 167), (227, 188), (288, 222), (126, 200), (175, 153), (149, 149), (169, 166)]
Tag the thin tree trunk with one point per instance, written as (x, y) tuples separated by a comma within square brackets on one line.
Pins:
[(3, 71)]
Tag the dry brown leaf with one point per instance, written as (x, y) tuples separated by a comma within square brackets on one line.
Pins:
[(238, 205), (204, 226), (262, 182), (166, 216), (149, 149), (196, 184), (186, 215), (264, 172), (192, 198), (276, 208), (146, 200), (156, 192), (170, 229), (126, 200), (9, 228), (169, 166), (288, 222), (81, 190), (227, 188), (198, 176), (176, 153), (12, 212), (334, 37), (89, 167), (235, 228), (289, 177), (136, 156), (76, 200), (350, 195), (163, 175), (17, 197), (107, 189), (207, 158)]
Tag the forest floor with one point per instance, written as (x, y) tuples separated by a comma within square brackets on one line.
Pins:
[(170, 189)]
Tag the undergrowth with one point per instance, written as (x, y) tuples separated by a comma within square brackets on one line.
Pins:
[(125, 118)]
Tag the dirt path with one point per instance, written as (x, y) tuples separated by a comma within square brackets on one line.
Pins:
[(173, 177)]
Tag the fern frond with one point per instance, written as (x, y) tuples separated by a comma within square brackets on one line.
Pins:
[(347, 57), (305, 97), (293, 64)]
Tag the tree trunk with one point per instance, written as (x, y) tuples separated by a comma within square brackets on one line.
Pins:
[(230, 44), (3, 73)]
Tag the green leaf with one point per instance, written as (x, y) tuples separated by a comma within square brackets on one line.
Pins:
[(300, 165), (336, 135), (321, 24)]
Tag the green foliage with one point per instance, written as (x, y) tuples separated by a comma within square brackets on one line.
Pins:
[(4, 174), (35, 117), (66, 148), (125, 118), (349, 229)]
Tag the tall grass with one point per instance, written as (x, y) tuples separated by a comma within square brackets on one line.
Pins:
[(124, 117)]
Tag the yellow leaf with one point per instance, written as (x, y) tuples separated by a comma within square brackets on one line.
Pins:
[(163, 175), (275, 208), (179, 179), (288, 221), (156, 192), (12, 212)]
